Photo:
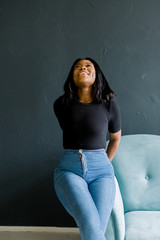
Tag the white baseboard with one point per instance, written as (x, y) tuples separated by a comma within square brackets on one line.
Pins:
[(38, 233)]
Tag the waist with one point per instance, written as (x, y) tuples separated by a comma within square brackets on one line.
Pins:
[(100, 150)]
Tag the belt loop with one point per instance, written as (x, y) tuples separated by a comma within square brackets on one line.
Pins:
[(80, 150)]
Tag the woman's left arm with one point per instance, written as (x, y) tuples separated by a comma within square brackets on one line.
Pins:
[(113, 144)]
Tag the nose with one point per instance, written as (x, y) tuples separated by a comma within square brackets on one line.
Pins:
[(83, 67)]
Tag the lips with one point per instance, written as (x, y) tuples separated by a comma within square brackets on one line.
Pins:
[(82, 73)]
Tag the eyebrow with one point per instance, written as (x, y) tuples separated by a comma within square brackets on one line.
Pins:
[(85, 63)]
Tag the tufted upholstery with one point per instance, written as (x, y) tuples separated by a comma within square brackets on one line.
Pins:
[(136, 212)]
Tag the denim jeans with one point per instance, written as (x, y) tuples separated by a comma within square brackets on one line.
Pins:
[(85, 185)]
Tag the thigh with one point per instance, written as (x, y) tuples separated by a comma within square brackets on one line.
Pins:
[(72, 191), (102, 191)]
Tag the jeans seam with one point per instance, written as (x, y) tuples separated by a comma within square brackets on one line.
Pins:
[(69, 200), (113, 190)]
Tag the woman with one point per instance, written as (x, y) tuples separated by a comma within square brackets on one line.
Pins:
[(84, 178)]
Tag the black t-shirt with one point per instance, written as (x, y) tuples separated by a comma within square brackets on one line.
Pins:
[(85, 125)]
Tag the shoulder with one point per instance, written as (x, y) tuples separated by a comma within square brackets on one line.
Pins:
[(113, 109), (58, 103), (111, 105), (114, 106)]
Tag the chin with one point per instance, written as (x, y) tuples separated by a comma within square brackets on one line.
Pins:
[(84, 84)]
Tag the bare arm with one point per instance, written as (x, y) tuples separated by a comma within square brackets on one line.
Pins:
[(113, 144)]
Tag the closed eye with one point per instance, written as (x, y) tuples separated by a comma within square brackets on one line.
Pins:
[(87, 65)]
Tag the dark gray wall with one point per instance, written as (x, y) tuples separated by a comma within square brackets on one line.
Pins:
[(39, 40)]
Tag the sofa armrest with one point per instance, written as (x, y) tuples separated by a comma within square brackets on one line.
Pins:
[(116, 225), (118, 214)]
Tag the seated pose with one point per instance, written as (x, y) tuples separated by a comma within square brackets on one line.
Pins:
[(84, 177)]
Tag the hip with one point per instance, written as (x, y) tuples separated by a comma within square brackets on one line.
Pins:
[(85, 162)]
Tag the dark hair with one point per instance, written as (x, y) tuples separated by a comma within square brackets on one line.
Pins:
[(101, 90)]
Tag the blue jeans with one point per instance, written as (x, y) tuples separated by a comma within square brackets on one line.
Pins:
[(85, 185)]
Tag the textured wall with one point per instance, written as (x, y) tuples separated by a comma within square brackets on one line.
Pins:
[(39, 40)]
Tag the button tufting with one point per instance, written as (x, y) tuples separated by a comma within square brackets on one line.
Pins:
[(146, 177)]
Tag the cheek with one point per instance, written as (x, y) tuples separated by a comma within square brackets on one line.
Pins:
[(94, 75), (74, 74)]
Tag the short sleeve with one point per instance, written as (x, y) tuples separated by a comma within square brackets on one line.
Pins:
[(115, 118)]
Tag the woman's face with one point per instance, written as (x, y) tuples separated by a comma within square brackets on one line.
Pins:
[(84, 73)]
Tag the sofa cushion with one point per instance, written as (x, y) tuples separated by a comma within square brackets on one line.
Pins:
[(142, 225), (137, 168)]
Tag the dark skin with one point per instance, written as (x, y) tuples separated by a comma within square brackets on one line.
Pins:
[(84, 76)]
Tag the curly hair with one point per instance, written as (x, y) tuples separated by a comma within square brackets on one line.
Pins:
[(101, 91)]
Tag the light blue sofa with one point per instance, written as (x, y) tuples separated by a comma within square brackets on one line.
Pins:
[(136, 211)]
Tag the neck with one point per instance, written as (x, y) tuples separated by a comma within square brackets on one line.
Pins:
[(85, 95)]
